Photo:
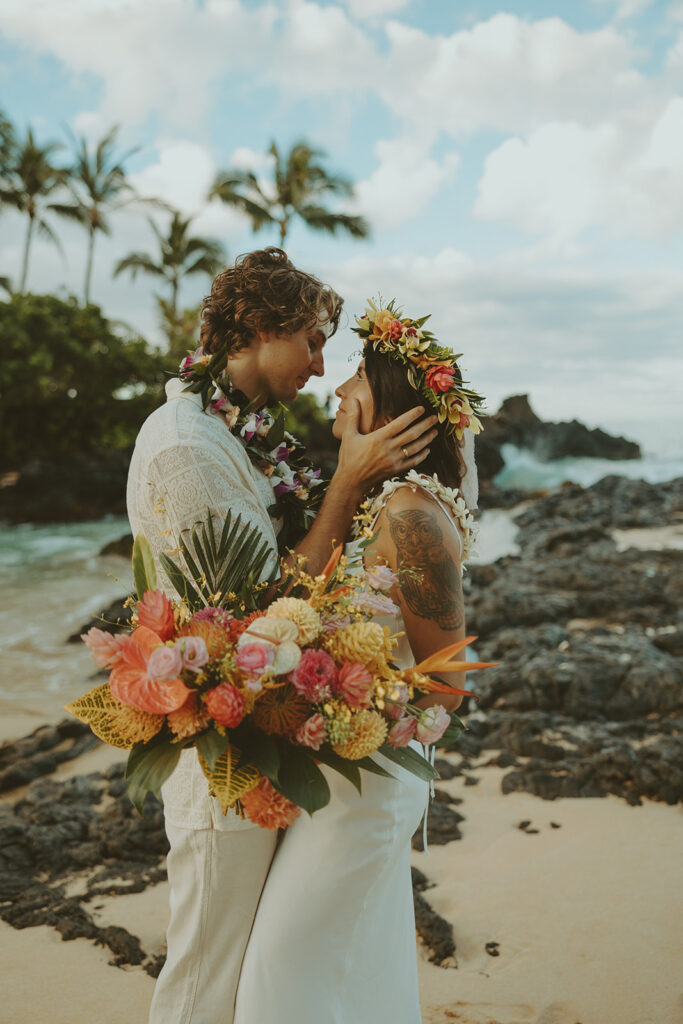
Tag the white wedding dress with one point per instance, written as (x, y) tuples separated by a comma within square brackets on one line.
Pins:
[(333, 940)]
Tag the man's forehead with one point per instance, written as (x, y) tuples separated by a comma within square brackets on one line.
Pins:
[(322, 325)]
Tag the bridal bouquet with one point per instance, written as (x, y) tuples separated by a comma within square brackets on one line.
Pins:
[(265, 694)]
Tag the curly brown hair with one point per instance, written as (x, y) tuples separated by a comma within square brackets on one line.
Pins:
[(263, 291)]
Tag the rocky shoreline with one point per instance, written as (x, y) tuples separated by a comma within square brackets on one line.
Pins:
[(586, 701)]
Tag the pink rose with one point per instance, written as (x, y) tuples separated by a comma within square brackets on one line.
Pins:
[(165, 664), (311, 733), (381, 577), (432, 724), (440, 378), (254, 658), (156, 613), (105, 648), (194, 652), (354, 684), (402, 732), (374, 604), (315, 675)]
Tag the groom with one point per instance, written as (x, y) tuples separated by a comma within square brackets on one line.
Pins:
[(273, 321)]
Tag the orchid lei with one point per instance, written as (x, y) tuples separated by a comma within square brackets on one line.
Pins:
[(298, 488)]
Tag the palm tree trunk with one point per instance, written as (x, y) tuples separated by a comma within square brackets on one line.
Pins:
[(175, 284), (27, 246), (88, 266), (283, 231)]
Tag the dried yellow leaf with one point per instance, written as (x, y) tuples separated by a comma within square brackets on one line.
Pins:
[(226, 781), (118, 724)]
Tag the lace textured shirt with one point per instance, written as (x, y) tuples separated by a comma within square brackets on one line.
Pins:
[(186, 462)]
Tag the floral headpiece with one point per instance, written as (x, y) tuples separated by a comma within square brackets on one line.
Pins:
[(431, 369)]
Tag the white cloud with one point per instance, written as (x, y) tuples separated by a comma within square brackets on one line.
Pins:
[(403, 183), (374, 8), (565, 178)]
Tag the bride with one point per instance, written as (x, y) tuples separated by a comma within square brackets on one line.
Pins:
[(333, 940)]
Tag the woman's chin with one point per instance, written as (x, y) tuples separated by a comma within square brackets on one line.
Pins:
[(337, 428)]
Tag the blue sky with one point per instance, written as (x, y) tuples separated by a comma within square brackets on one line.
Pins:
[(521, 167)]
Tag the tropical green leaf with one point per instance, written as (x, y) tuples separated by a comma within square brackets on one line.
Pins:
[(409, 759), (276, 434), (211, 745), (300, 779), (144, 573), (148, 767), (182, 586), (349, 769), (375, 769), (260, 750)]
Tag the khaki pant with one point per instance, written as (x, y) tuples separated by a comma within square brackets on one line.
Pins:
[(215, 880)]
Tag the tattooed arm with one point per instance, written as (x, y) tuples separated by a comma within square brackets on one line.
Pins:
[(418, 540)]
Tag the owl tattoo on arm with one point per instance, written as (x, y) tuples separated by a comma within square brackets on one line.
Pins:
[(429, 578)]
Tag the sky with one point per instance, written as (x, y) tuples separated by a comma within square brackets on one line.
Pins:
[(521, 167)]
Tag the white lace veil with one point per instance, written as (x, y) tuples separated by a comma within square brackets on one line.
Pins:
[(469, 486)]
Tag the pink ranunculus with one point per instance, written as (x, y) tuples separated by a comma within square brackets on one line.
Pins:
[(105, 648), (440, 378), (315, 675), (402, 732), (381, 577), (395, 711), (156, 613), (165, 663), (432, 724), (254, 658), (354, 685), (194, 652), (311, 733), (225, 704), (131, 684)]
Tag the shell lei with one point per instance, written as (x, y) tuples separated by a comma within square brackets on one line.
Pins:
[(451, 498)]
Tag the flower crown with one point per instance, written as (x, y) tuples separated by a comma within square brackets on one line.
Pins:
[(431, 369)]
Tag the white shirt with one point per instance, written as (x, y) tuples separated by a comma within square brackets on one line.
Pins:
[(187, 462)]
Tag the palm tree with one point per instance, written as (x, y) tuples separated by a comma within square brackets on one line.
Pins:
[(299, 188), (97, 185), (30, 180), (7, 147), (180, 255)]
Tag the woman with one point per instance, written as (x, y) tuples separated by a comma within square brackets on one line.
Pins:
[(334, 941)]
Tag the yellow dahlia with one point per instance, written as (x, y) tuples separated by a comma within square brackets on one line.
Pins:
[(305, 618), (189, 719), (364, 642), (368, 732)]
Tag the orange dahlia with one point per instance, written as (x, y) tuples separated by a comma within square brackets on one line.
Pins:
[(216, 638), (266, 807), (188, 720)]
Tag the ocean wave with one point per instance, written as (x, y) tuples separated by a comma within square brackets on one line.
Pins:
[(524, 471)]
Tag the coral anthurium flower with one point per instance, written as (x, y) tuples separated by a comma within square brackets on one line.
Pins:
[(155, 611), (131, 684)]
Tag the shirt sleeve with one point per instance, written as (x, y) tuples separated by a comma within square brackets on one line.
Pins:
[(186, 485)]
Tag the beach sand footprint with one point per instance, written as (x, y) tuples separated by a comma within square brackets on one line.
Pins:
[(482, 1013), (559, 1013)]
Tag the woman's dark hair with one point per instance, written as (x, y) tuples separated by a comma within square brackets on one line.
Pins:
[(263, 291), (393, 394)]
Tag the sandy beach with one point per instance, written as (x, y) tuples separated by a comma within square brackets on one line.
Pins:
[(586, 917)]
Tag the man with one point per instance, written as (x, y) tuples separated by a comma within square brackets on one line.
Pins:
[(273, 322)]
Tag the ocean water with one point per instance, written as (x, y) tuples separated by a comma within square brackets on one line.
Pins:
[(52, 580), (523, 471)]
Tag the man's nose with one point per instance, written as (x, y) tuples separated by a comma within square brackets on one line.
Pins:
[(318, 364)]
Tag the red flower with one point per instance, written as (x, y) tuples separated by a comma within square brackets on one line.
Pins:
[(395, 330), (156, 613), (130, 683), (225, 704), (440, 378)]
